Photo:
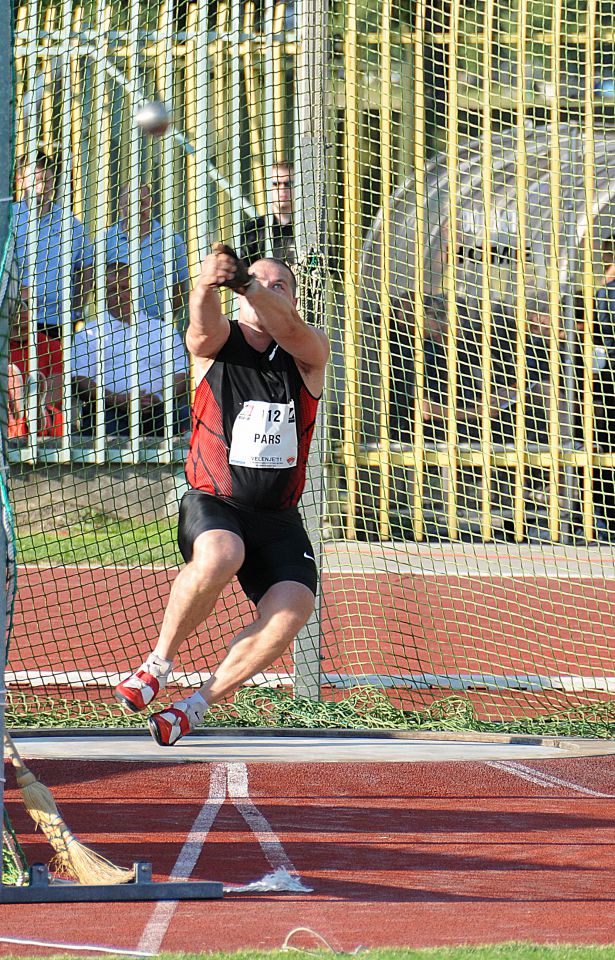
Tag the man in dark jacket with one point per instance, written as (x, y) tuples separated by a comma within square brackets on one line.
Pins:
[(278, 228)]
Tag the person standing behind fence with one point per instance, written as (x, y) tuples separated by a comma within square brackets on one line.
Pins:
[(152, 272), (46, 383), (438, 372), (37, 184), (254, 239)]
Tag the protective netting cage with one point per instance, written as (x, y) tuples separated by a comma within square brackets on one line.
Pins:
[(441, 178)]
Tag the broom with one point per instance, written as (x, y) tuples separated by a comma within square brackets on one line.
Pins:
[(72, 858)]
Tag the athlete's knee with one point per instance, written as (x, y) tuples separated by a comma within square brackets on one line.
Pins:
[(217, 555), (287, 607)]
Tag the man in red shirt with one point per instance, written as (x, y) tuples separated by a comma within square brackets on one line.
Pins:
[(259, 379)]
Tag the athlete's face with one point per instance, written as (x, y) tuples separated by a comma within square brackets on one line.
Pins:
[(273, 276)]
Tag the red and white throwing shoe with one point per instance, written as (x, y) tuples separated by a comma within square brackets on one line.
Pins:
[(138, 691), (168, 726)]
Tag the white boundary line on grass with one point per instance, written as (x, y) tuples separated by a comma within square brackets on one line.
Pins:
[(544, 779), (75, 946)]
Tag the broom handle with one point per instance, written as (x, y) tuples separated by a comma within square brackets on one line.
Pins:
[(24, 776), (56, 831), (80, 862)]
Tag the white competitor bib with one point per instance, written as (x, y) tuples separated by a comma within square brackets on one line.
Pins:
[(265, 436)]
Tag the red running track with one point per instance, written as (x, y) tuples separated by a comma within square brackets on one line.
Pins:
[(418, 855), (106, 619)]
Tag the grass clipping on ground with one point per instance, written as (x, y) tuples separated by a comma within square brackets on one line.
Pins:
[(307, 947), (365, 708)]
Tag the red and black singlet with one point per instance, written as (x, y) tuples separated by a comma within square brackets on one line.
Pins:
[(239, 379)]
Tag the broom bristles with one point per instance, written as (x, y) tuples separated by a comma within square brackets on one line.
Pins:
[(90, 867), (73, 858)]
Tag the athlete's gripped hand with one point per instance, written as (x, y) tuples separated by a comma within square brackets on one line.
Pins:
[(208, 329), (223, 268)]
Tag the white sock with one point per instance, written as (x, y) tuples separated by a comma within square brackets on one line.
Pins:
[(195, 706), (159, 668)]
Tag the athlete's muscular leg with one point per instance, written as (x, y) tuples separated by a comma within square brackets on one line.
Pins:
[(216, 557), (284, 609)]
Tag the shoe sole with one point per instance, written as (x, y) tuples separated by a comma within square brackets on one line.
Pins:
[(128, 704), (155, 732)]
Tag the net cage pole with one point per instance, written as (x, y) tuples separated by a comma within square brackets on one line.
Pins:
[(6, 169), (3, 592), (309, 218), (573, 154)]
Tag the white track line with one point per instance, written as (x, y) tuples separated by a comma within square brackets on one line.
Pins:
[(603, 568), (237, 774), (413, 681), (75, 946), (544, 779), (227, 779), (162, 915)]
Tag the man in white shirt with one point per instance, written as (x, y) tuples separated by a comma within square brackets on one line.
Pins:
[(129, 350)]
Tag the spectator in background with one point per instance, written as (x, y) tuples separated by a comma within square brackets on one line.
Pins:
[(468, 373), (537, 361), (47, 382), (254, 239), (504, 392), (112, 336), (152, 274), (37, 183), (403, 370), (605, 308)]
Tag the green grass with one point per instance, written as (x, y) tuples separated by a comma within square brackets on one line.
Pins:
[(364, 708), (98, 538), (504, 951), (501, 951)]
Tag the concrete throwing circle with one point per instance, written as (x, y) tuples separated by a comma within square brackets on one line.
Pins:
[(304, 747)]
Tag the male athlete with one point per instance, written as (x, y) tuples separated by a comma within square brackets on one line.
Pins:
[(258, 384)]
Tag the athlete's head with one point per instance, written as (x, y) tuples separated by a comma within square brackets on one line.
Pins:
[(275, 275)]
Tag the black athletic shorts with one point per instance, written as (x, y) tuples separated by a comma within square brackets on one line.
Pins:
[(277, 545)]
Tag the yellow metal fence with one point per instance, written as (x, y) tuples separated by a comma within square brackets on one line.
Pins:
[(469, 159)]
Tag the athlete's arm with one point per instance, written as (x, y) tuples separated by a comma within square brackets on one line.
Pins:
[(208, 329), (279, 316), (269, 290)]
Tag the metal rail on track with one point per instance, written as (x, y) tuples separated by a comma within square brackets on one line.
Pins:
[(42, 890)]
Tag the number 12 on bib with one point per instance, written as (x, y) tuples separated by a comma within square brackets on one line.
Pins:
[(264, 436)]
